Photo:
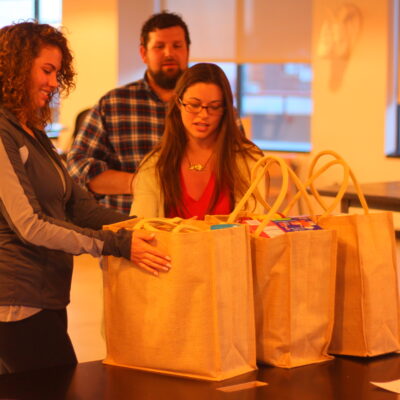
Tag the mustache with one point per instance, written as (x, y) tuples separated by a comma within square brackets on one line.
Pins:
[(169, 59)]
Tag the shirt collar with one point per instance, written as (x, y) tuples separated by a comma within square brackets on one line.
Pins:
[(14, 120)]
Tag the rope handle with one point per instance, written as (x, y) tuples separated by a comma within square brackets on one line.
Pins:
[(150, 222), (303, 192), (292, 202), (256, 193), (264, 164), (327, 209), (349, 174), (175, 225), (187, 228)]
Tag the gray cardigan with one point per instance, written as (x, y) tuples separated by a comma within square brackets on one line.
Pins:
[(45, 218)]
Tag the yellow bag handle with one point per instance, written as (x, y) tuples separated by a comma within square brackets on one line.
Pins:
[(347, 173), (253, 176), (259, 170), (187, 228), (327, 209), (150, 223), (176, 225), (264, 163), (303, 192)]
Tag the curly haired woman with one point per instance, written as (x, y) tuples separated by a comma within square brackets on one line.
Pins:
[(44, 217)]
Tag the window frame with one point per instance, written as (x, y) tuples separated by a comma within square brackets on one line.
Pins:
[(307, 148)]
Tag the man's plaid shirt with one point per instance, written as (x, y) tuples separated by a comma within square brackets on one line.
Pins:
[(118, 132)]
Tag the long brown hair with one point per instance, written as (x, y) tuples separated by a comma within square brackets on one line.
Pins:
[(231, 141), (20, 44)]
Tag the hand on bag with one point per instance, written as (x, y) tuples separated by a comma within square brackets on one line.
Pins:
[(147, 256)]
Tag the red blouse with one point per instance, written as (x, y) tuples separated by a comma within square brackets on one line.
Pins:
[(199, 208)]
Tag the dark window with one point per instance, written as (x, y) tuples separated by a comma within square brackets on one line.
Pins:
[(274, 102)]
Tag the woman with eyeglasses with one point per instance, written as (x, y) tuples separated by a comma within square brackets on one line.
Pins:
[(202, 164)]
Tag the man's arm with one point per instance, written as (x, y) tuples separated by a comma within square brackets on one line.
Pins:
[(88, 160), (111, 182)]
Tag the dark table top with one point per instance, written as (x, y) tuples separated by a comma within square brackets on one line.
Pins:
[(382, 195), (344, 378)]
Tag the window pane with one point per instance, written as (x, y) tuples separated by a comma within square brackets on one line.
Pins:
[(277, 98), (50, 12), (230, 70), (15, 11)]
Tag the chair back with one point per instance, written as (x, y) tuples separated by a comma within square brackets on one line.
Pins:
[(79, 121)]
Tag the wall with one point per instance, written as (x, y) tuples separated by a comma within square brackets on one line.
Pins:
[(92, 33), (131, 15), (104, 37), (351, 96)]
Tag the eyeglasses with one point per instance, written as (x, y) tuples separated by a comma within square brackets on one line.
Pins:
[(195, 108)]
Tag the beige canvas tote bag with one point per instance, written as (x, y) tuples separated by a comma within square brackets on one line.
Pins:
[(294, 282), (197, 320), (367, 302)]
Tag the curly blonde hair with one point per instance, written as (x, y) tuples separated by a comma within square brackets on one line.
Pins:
[(20, 44)]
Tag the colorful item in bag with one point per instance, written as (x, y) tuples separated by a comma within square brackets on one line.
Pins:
[(223, 226), (271, 230), (280, 226), (294, 224)]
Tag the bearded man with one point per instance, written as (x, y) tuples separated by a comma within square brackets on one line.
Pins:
[(128, 121)]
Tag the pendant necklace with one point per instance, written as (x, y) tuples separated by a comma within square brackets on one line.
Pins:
[(198, 166)]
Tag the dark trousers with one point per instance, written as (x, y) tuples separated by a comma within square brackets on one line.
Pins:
[(39, 341)]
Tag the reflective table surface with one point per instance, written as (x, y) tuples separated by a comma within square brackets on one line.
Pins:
[(344, 378)]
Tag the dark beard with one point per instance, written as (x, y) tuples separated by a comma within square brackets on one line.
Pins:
[(165, 81)]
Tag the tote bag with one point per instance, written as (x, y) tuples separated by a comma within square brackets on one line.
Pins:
[(197, 320), (294, 282), (367, 302)]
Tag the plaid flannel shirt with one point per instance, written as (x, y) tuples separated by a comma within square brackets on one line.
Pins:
[(118, 132)]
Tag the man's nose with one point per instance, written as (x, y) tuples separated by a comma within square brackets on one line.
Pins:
[(168, 50)]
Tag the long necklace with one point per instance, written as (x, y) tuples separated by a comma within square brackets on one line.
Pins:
[(198, 166)]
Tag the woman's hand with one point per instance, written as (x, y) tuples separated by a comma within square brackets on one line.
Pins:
[(146, 256)]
